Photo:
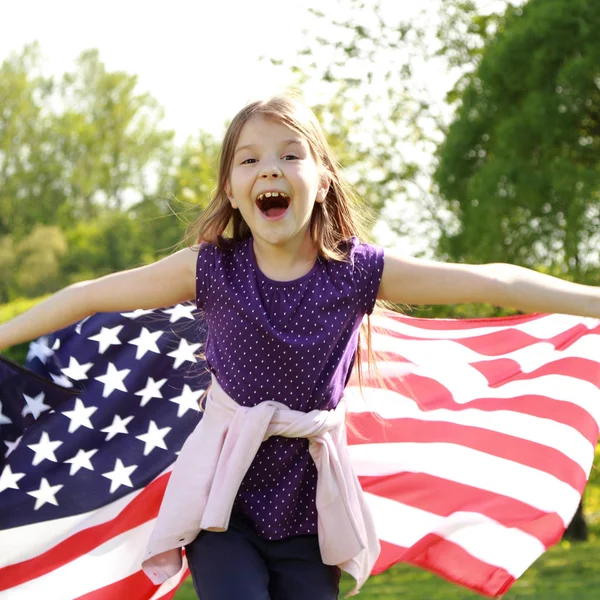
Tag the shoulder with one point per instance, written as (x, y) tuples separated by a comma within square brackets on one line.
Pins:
[(363, 254)]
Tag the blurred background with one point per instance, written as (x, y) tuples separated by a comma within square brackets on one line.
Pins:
[(471, 129)]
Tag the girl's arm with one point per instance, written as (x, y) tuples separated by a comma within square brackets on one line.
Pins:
[(414, 281), (163, 283)]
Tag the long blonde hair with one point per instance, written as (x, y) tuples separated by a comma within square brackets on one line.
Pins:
[(333, 221)]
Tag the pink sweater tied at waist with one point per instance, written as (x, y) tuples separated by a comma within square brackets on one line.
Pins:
[(214, 459)]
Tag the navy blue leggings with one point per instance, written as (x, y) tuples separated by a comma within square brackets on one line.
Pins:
[(237, 564)]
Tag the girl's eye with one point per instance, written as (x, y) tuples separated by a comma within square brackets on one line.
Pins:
[(249, 161), (290, 157)]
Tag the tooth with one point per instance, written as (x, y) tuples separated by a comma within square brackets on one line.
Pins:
[(268, 194)]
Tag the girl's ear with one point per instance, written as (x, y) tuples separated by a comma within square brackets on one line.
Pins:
[(323, 188), (229, 194)]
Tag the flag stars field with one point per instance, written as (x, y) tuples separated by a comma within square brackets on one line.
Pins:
[(35, 406), (113, 380), (44, 449), (119, 425), (154, 438), (82, 460), (46, 494), (4, 420), (188, 400), (185, 352), (80, 415), (120, 475), (152, 390), (108, 336), (180, 311), (77, 371), (9, 480), (146, 342)]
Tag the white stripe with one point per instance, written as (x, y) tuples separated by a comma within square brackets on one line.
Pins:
[(483, 538), (448, 355), (564, 438), (543, 328), (469, 467), (466, 384), (109, 563), (28, 541), (438, 354)]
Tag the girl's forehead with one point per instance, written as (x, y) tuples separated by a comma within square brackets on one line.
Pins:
[(260, 128)]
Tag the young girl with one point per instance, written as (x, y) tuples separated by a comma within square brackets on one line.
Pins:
[(284, 281)]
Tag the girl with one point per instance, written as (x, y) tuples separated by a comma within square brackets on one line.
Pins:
[(284, 281)]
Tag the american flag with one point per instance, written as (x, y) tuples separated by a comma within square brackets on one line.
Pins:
[(474, 445)]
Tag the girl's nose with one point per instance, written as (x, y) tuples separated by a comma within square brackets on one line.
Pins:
[(270, 171)]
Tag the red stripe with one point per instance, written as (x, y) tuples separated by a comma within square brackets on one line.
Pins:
[(449, 561), (458, 324), (366, 429), (496, 343), (141, 509), (443, 497), (429, 394)]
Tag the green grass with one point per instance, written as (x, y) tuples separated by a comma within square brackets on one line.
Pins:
[(568, 571), (565, 572)]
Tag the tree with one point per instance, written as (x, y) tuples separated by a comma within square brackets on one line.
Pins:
[(108, 137), (28, 165), (520, 160)]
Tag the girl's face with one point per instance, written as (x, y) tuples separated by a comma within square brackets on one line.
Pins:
[(275, 182)]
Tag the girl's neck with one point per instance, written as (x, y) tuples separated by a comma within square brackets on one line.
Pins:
[(285, 263)]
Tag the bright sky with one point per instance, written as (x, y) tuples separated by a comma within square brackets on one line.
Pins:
[(199, 58)]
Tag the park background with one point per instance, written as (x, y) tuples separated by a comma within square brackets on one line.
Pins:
[(471, 130)]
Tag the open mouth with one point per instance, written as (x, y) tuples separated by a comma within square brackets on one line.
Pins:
[(273, 204)]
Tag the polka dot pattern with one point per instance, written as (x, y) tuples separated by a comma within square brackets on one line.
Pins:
[(293, 342)]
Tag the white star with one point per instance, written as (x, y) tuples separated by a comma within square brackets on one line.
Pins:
[(107, 337), (40, 349), (80, 325), (113, 380), (120, 475), (8, 479), (45, 494), (184, 352), (152, 390), (12, 445), (44, 449), (81, 460), (75, 370), (56, 345), (35, 406), (180, 311), (4, 420), (146, 343), (118, 425), (155, 438), (61, 380), (80, 416), (136, 313), (188, 400)]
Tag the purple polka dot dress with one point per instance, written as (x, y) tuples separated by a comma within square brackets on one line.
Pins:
[(289, 341)]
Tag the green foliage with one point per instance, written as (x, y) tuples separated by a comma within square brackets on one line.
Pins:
[(86, 157), (520, 161)]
